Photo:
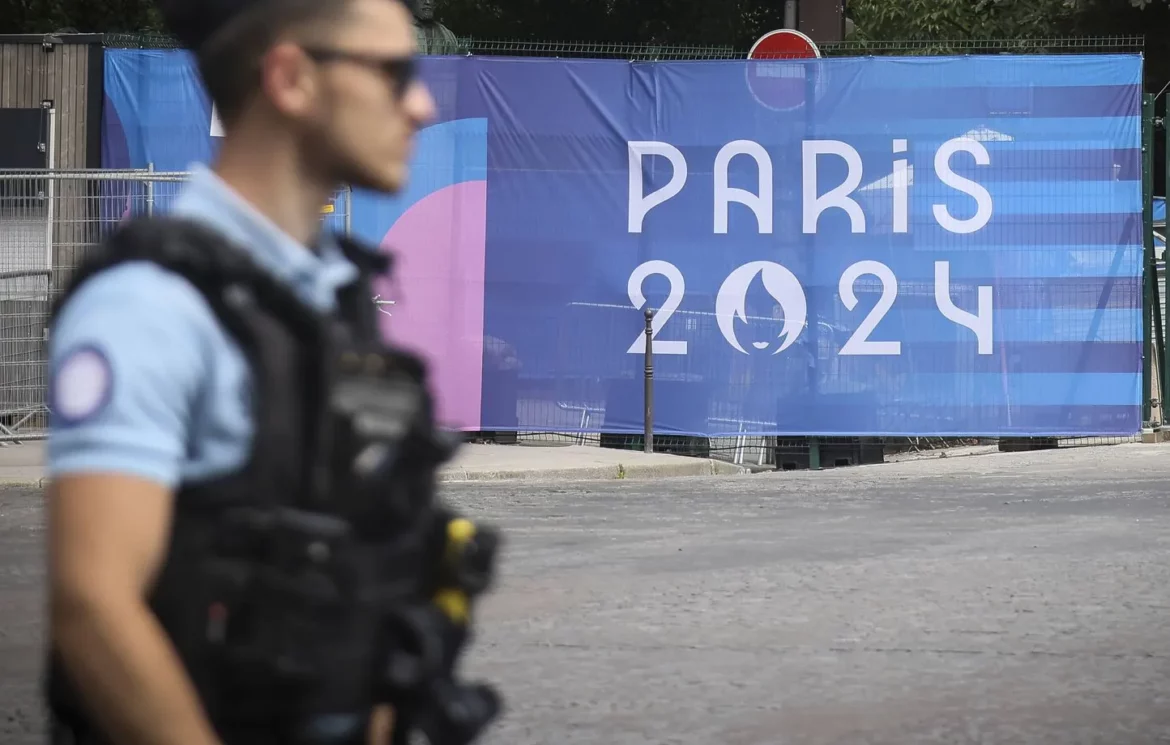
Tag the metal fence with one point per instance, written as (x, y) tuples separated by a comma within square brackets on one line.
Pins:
[(652, 52), (798, 452), (49, 221)]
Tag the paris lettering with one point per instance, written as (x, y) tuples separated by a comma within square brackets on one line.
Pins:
[(779, 281), (814, 202)]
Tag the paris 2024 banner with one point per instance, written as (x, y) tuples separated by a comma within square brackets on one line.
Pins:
[(889, 246)]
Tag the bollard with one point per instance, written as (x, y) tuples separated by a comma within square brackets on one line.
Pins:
[(648, 396)]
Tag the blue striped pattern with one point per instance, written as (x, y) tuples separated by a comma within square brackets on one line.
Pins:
[(1030, 389), (1023, 325), (1072, 229), (1014, 198), (1022, 262), (949, 103), (1080, 325), (1001, 71), (1062, 251), (1059, 133)]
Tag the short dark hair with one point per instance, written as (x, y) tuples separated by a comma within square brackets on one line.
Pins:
[(229, 58)]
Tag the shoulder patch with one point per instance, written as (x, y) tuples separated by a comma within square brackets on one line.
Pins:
[(82, 385)]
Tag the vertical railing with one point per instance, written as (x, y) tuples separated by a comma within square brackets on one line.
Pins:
[(648, 383), (1165, 124), (1150, 270), (150, 191), (50, 186)]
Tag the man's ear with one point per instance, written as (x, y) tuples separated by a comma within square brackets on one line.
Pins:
[(288, 79)]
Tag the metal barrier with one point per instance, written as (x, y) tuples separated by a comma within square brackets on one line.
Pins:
[(49, 221), (646, 51)]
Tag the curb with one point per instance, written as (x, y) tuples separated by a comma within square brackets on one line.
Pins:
[(23, 482), (693, 467)]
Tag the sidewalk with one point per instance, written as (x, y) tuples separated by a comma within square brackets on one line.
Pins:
[(24, 464), (546, 461)]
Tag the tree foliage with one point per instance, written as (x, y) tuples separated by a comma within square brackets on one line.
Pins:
[(728, 22), (734, 23), (915, 20), (698, 22), (738, 22), (46, 16)]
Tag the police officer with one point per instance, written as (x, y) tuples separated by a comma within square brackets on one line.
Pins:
[(172, 401)]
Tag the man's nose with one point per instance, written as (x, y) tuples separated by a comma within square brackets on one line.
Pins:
[(421, 105)]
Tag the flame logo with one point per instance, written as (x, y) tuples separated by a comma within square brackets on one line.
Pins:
[(781, 284)]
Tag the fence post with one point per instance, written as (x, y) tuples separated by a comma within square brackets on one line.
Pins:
[(1159, 350), (648, 395), (814, 343), (150, 189), (1166, 306), (1150, 284), (348, 210), (50, 185)]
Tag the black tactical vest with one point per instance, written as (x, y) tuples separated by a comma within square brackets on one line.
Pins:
[(276, 575)]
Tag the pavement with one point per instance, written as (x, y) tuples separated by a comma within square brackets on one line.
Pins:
[(996, 599), (23, 464)]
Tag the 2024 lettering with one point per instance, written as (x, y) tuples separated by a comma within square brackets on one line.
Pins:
[(788, 293)]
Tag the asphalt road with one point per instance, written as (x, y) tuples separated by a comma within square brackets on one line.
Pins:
[(992, 599)]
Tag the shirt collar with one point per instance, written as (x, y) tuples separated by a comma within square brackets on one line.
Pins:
[(315, 276)]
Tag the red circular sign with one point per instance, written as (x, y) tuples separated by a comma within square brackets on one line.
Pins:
[(778, 84), (784, 43)]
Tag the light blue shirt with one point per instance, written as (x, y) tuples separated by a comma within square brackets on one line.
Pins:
[(144, 380)]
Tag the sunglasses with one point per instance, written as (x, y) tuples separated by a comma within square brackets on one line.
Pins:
[(400, 71)]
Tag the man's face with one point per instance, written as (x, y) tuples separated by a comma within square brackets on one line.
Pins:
[(362, 123), (426, 10)]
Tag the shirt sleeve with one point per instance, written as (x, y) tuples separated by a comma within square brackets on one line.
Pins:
[(128, 357)]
